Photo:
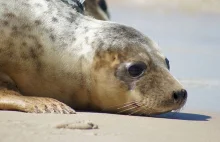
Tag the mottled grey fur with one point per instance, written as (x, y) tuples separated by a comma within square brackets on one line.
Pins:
[(48, 48)]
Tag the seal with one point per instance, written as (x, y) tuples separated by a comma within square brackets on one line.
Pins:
[(97, 9), (54, 59)]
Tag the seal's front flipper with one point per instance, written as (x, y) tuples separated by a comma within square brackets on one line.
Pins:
[(12, 100)]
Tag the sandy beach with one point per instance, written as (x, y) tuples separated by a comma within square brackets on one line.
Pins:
[(182, 127), (190, 41)]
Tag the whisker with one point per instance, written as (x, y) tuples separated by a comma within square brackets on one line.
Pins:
[(127, 105), (135, 105), (146, 112), (177, 111), (136, 110), (128, 109), (122, 105)]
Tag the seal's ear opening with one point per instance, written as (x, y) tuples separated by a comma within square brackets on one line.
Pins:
[(167, 63)]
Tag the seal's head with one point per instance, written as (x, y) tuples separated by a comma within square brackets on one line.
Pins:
[(131, 75)]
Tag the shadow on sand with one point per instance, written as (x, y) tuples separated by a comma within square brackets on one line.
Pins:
[(175, 115), (185, 116)]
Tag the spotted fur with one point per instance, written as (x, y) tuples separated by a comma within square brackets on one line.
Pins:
[(51, 53)]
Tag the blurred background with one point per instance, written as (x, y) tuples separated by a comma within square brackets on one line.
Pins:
[(188, 32)]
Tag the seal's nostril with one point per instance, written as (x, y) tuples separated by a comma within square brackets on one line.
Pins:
[(184, 93), (175, 96), (180, 95)]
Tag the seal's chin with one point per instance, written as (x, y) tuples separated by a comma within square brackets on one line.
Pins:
[(175, 109), (164, 112), (145, 109), (142, 109)]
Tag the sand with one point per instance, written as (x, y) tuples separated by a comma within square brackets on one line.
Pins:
[(182, 127)]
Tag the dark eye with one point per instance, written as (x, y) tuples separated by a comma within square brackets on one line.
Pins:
[(168, 63), (136, 69)]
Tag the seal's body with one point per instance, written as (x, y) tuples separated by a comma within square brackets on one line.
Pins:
[(50, 51)]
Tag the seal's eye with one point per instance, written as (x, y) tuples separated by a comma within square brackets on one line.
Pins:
[(136, 69), (168, 63)]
